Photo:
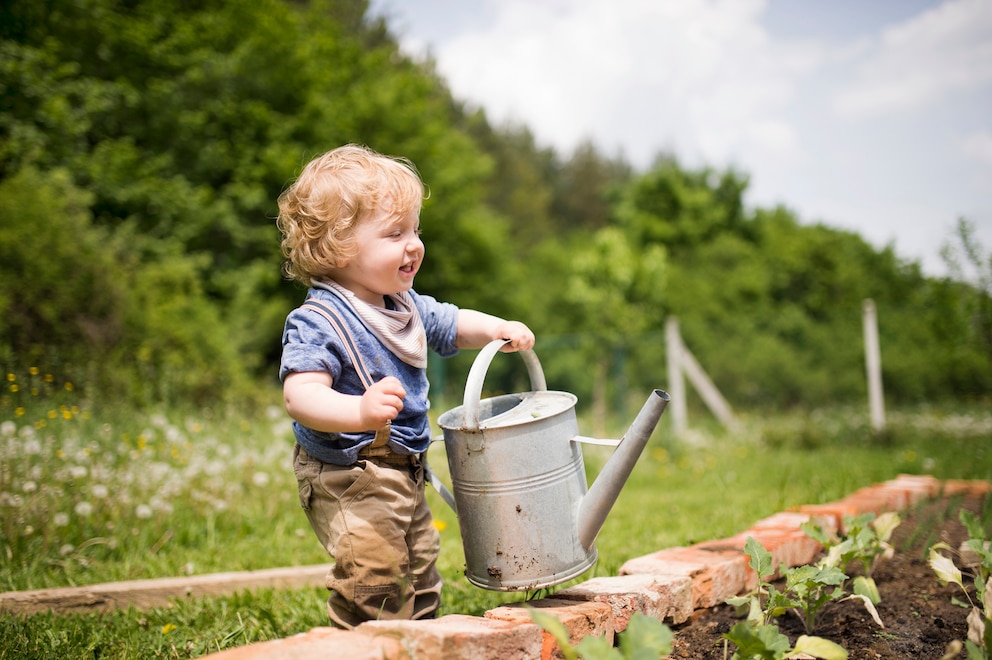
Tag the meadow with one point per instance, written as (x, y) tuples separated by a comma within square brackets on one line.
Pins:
[(94, 493)]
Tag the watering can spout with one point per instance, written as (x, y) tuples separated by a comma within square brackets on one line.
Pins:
[(603, 493)]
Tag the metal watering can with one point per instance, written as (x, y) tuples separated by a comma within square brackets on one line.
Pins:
[(519, 482)]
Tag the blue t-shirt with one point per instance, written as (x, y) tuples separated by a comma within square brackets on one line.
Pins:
[(310, 343)]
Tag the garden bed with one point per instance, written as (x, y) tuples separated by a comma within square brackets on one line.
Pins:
[(918, 613)]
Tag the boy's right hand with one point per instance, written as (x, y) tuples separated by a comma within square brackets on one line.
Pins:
[(382, 402)]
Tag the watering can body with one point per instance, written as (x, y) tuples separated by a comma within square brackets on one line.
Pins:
[(519, 484)]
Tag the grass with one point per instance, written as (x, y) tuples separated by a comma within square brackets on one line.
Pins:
[(92, 496)]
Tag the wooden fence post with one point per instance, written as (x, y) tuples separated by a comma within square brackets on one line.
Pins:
[(873, 365), (681, 363), (676, 381)]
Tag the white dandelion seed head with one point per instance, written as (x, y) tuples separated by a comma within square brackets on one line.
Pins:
[(60, 519), (31, 446), (83, 509)]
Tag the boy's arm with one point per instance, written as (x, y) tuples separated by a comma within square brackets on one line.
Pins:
[(310, 400), (476, 329)]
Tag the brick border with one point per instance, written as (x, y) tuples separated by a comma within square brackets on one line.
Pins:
[(667, 585)]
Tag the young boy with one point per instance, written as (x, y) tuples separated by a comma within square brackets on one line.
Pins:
[(354, 378)]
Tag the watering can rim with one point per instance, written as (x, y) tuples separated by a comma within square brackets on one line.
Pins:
[(526, 411), (477, 375)]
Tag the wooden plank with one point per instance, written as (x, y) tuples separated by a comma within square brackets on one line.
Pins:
[(158, 592)]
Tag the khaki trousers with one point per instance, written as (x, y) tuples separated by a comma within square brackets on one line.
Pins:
[(372, 517)]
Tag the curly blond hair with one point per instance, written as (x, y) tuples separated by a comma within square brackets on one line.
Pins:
[(335, 192)]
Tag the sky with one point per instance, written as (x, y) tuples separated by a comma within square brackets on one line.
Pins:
[(867, 115)]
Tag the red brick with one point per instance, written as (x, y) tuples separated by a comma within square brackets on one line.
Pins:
[(788, 547), (318, 644), (460, 636), (924, 484), (966, 487), (716, 574), (832, 513), (579, 618), (666, 598)]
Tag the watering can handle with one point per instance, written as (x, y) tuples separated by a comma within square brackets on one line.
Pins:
[(477, 375)]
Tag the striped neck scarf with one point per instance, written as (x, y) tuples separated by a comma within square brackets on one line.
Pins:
[(400, 330)]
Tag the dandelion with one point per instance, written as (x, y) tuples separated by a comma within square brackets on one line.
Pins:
[(167, 628), (33, 371), (31, 446), (14, 388), (19, 411), (29, 487), (14, 501), (28, 530), (60, 519), (49, 378), (440, 525), (99, 491), (66, 549), (8, 429), (260, 479), (11, 378), (84, 509), (144, 512), (77, 471)]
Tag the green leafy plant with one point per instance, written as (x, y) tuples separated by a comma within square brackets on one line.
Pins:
[(643, 638), (977, 555), (808, 588), (864, 544)]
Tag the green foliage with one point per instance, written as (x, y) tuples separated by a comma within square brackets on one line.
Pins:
[(979, 642), (808, 589), (159, 134), (65, 280), (865, 542)]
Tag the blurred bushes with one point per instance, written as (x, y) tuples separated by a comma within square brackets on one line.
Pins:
[(143, 146)]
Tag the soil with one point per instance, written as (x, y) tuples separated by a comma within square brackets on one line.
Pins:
[(919, 616)]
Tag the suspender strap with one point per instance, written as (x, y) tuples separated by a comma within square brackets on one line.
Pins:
[(341, 327), (351, 347)]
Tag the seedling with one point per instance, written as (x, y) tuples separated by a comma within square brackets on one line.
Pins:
[(806, 591), (979, 642), (865, 543)]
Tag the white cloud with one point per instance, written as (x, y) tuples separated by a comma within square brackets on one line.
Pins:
[(978, 146), (913, 64), (697, 76), (708, 81)]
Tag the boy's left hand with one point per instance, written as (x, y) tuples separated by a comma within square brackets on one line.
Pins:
[(518, 335)]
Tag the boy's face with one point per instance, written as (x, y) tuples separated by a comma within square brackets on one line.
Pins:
[(389, 255)]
